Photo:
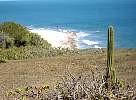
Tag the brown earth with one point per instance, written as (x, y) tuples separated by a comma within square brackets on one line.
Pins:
[(18, 73)]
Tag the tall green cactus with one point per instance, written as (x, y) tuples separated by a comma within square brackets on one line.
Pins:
[(110, 49), (111, 75)]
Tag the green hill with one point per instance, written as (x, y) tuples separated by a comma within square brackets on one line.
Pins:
[(14, 34)]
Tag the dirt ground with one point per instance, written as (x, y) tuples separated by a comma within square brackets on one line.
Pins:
[(18, 73)]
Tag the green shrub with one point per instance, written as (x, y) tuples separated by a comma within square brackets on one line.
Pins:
[(31, 52), (36, 40), (45, 44), (16, 42), (16, 31), (19, 36), (2, 61), (7, 42)]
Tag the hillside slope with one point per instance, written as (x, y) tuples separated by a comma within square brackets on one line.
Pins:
[(18, 73)]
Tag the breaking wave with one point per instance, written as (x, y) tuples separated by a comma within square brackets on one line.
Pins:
[(94, 44), (66, 38)]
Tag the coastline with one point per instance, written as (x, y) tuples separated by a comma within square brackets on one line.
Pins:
[(67, 38), (58, 38), (75, 49)]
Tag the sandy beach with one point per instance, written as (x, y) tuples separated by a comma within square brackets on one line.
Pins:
[(58, 38)]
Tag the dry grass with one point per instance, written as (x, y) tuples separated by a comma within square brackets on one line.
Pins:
[(19, 73)]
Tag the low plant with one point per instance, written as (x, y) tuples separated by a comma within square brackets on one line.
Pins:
[(88, 86), (24, 93), (2, 60), (32, 52)]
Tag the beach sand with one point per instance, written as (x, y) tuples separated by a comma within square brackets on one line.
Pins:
[(58, 38)]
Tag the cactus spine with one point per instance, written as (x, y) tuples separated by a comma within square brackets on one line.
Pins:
[(111, 75)]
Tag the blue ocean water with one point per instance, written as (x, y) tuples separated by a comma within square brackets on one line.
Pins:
[(89, 17)]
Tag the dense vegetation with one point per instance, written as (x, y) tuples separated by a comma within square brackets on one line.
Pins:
[(17, 42), (32, 52), (14, 34)]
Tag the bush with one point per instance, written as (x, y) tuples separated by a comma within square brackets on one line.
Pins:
[(31, 52), (25, 44), (15, 30), (45, 44), (24, 41), (7, 42), (2, 61), (36, 40), (20, 36), (85, 86)]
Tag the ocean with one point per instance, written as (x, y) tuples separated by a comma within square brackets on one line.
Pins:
[(88, 19)]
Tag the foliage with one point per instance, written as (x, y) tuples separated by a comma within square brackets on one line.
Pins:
[(16, 31), (32, 52), (2, 61), (19, 43), (27, 92), (13, 28), (20, 35), (36, 40), (88, 86), (7, 42)]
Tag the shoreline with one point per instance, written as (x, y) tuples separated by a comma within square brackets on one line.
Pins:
[(67, 38), (58, 38)]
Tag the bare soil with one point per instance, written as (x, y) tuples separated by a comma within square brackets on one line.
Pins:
[(19, 73)]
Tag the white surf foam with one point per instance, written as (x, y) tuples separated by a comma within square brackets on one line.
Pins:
[(96, 46), (81, 34), (64, 38), (93, 44), (88, 42)]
